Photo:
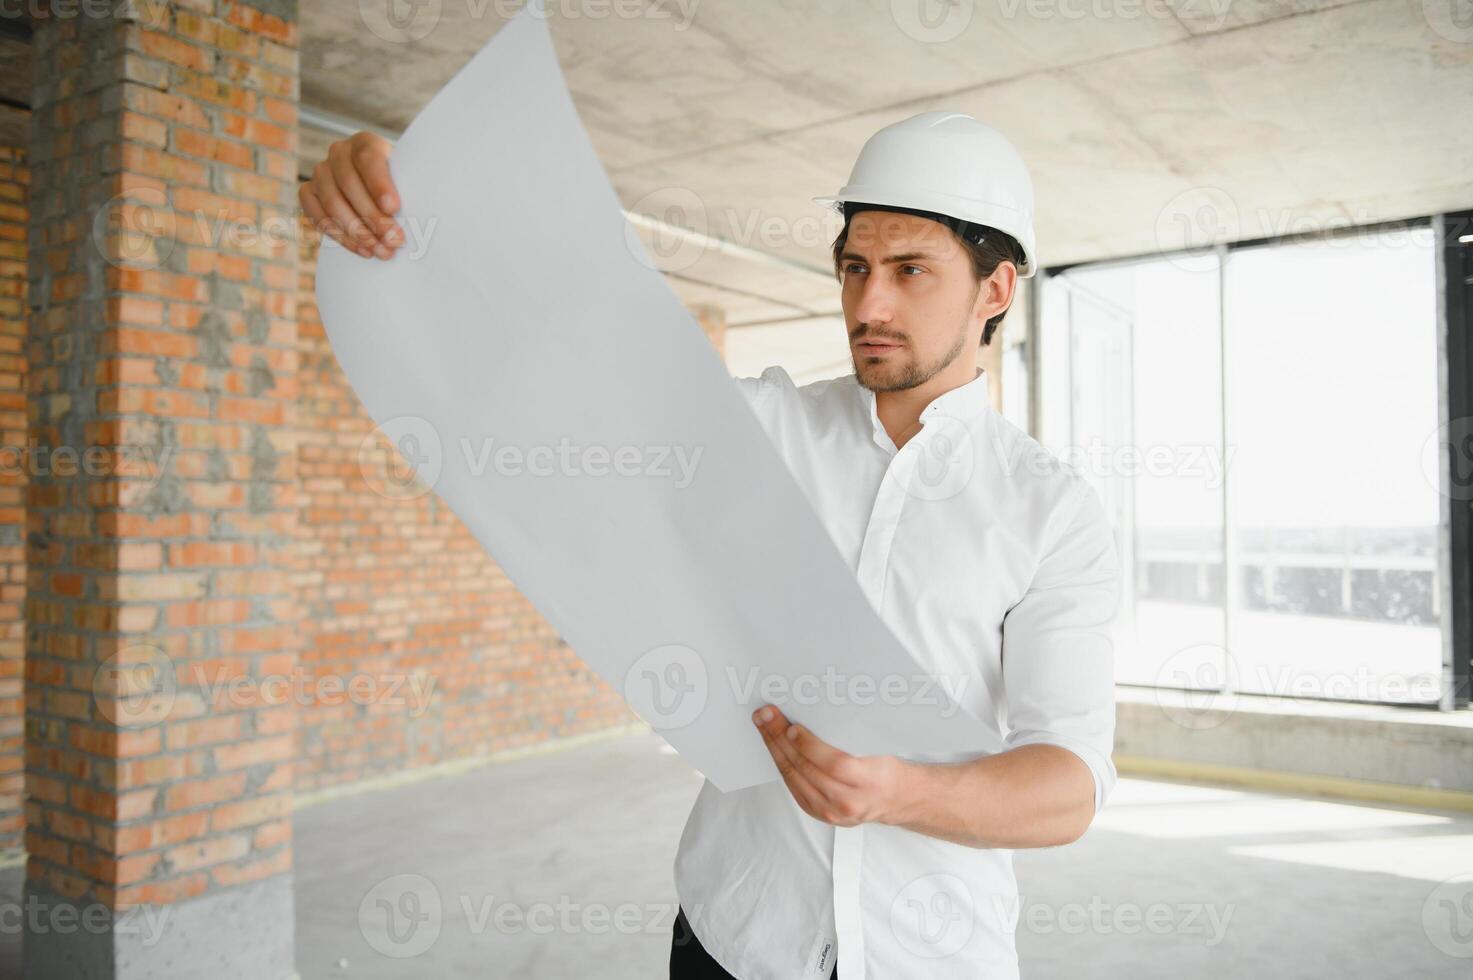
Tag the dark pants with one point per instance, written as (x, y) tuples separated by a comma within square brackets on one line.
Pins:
[(690, 961)]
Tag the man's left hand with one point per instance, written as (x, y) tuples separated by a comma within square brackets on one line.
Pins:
[(829, 784)]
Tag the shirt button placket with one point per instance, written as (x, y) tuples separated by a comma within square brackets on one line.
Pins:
[(874, 560)]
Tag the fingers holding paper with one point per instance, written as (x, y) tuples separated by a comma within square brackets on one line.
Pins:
[(829, 784), (351, 196)]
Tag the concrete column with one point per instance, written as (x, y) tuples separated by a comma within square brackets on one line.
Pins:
[(160, 640)]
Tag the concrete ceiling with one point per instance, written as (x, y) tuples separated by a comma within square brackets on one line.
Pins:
[(1148, 124)]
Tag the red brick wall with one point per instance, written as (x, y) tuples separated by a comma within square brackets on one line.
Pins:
[(220, 343), (392, 588), (158, 326), (14, 178)]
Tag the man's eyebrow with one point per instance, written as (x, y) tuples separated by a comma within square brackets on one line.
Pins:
[(892, 259)]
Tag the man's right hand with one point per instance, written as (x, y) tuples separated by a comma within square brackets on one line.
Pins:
[(351, 196)]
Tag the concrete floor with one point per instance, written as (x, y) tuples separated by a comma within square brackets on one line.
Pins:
[(1172, 880)]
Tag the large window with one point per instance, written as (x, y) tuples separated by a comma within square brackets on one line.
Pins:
[(1255, 421)]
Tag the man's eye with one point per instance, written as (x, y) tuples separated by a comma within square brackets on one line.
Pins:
[(853, 266), (915, 267)]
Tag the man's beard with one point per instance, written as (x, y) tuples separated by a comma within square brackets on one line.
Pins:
[(912, 374)]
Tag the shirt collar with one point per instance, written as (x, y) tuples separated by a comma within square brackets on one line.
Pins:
[(965, 402)]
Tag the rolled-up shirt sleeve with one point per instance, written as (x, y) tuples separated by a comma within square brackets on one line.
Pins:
[(1057, 646), (756, 388)]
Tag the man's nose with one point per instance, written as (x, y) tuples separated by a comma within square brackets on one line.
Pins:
[(876, 302)]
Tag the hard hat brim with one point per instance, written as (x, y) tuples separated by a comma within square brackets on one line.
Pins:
[(1026, 270)]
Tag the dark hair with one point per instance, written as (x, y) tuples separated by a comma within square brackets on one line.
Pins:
[(994, 248)]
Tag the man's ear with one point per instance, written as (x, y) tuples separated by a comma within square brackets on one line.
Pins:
[(995, 293), (1005, 277)]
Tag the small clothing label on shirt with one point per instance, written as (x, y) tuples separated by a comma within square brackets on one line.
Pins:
[(822, 956)]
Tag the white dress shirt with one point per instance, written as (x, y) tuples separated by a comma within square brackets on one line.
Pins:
[(990, 559)]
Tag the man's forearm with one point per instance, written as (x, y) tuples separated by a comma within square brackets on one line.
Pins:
[(1031, 796)]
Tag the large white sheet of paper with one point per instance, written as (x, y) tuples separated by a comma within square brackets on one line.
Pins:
[(522, 326)]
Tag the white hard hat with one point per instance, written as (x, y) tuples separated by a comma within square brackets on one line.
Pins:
[(949, 164)]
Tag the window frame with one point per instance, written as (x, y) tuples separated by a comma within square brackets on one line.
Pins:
[(1453, 247)]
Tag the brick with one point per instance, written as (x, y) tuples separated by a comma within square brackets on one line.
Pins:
[(256, 131), (136, 803), (248, 813), (136, 310), (167, 106), (166, 47), (251, 186), (212, 553), (212, 208), (204, 731), (220, 92), (197, 144), (130, 868), (204, 792), (272, 834), (159, 833), (154, 342), (161, 769), (166, 892), (238, 873), (274, 749), (283, 111), (176, 170), (204, 853), (145, 129)]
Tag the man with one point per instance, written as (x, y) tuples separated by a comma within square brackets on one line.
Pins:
[(990, 560)]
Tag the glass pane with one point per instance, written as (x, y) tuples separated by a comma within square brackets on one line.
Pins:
[(1150, 333), (1332, 394), (1015, 384), (1053, 366)]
